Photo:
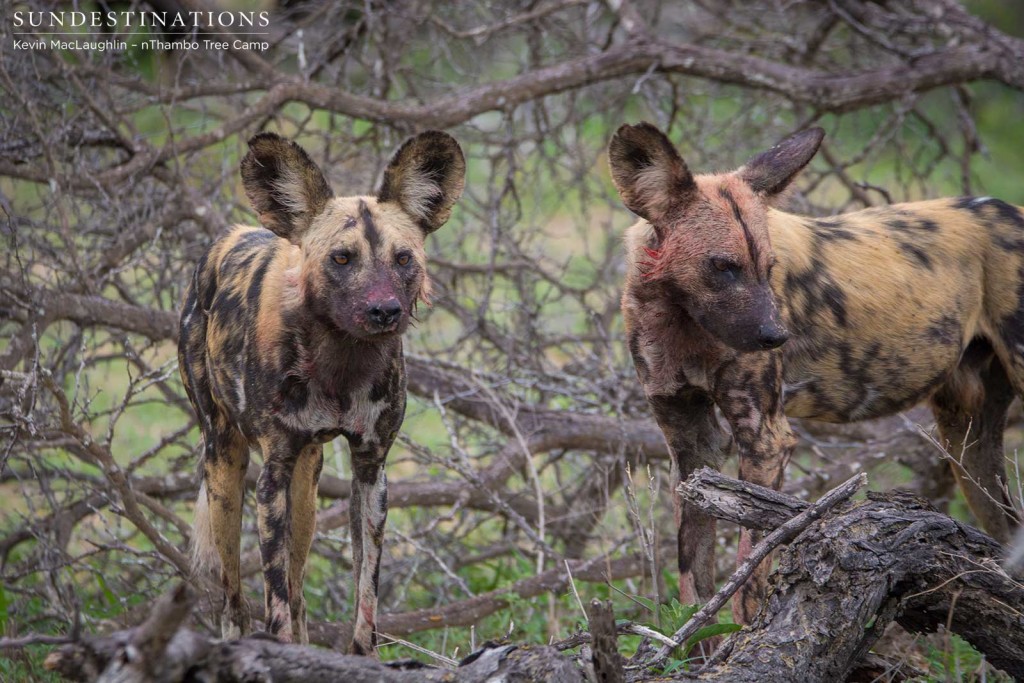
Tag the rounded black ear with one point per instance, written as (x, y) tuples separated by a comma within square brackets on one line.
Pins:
[(771, 172), (648, 172), (425, 177), (283, 184)]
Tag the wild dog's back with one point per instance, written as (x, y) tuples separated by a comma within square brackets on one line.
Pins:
[(880, 303)]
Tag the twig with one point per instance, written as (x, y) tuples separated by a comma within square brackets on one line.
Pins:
[(640, 630), (622, 627), (572, 584), (32, 639), (395, 640)]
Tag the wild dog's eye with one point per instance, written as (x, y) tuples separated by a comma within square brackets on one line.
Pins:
[(340, 259), (724, 265), (403, 259)]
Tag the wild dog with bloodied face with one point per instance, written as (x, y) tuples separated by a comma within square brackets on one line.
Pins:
[(733, 303), (290, 337)]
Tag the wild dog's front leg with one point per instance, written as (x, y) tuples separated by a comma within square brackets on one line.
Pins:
[(694, 439), (749, 394), (368, 511), (275, 531), (225, 462)]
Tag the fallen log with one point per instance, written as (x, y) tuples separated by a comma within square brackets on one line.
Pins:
[(787, 530), (890, 557), (147, 654)]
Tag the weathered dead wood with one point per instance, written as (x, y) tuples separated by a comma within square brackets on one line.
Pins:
[(891, 557), (191, 657), (157, 650), (873, 668), (143, 659), (746, 504), (604, 644), (162, 652), (786, 531)]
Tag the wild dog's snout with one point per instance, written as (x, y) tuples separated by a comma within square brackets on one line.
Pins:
[(384, 313), (772, 336)]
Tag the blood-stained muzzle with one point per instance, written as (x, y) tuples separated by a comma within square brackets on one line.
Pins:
[(384, 314), (748, 323)]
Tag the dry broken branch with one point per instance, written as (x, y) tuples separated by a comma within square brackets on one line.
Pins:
[(845, 578), (784, 533), (194, 657)]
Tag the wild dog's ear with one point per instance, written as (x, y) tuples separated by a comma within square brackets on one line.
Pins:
[(769, 173), (648, 172), (425, 178), (284, 185)]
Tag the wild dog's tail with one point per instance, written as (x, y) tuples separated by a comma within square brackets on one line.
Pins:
[(191, 352), (205, 557)]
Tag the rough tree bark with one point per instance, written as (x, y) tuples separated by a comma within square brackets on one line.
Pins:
[(891, 557), (606, 660), (865, 564)]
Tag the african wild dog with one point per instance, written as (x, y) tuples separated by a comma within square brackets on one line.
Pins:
[(290, 337), (882, 308)]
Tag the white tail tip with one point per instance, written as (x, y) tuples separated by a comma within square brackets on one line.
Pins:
[(203, 549)]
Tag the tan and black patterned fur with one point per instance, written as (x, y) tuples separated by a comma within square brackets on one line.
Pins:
[(732, 303), (290, 337)]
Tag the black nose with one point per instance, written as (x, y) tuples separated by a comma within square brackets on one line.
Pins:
[(771, 336), (384, 313)]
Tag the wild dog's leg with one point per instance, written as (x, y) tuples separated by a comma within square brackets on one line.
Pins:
[(303, 505), (970, 412), (694, 439), (749, 394), (368, 511), (225, 460), (273, 502), (1009, 345)]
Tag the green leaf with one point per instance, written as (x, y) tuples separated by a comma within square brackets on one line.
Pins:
[(678, 614), (648, 603), (710, 631), (673, 665)]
